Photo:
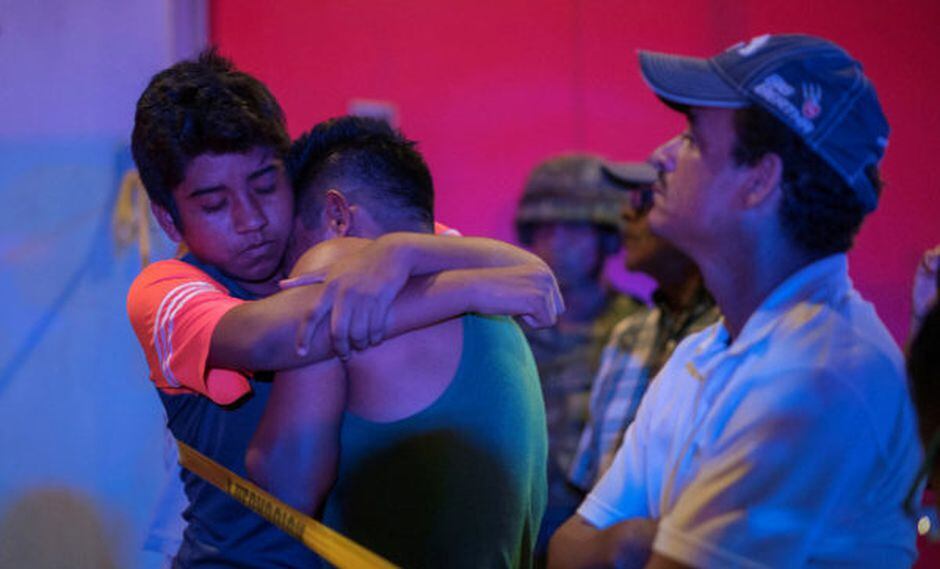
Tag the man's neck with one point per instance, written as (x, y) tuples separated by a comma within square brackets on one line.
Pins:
[(741, 282)]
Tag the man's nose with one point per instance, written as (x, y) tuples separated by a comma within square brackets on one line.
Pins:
[(248, 214), (664, 157)]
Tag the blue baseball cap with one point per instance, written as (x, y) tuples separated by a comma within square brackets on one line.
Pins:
[(811, 85)]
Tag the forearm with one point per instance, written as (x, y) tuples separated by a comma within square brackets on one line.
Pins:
[(266, 334), (427, 300), (659, 561), (288, 471), (425, 254), (295, 450), (578, 544), (263, 335), (529, 292)]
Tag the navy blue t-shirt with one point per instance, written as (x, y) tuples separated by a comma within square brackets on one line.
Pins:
[(221, 532)]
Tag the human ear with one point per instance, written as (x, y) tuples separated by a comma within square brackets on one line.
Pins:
[(338, 216), (163, 217), (765, 178)]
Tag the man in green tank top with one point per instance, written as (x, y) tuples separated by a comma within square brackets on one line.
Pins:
[(429, 448)]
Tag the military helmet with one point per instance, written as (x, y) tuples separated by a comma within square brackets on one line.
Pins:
[(570, 188)]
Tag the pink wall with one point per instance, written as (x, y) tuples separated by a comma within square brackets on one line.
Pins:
[(490, 88)]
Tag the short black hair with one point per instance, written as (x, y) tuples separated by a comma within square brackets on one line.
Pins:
[(199, 106), (370, 159), (819, 212)]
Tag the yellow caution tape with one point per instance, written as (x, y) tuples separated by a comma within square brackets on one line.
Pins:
[(328, 544), (131, 217)]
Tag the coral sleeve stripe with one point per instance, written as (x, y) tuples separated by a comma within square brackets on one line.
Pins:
[(163, 324)]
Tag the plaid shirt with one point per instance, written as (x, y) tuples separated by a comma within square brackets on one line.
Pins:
[(567, 362), (638, 347)]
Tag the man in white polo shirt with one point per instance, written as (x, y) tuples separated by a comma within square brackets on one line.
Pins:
[(783, 436)]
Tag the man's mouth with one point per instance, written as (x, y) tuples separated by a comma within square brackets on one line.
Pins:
[(257, 248)]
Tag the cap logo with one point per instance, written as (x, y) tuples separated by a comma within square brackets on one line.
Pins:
[(812, 100), (750, 47), (776, 92)]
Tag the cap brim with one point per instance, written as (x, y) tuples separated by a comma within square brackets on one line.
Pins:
[(630, 175), (688, 81)]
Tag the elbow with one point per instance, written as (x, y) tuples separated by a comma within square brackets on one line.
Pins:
[(278, 475), (257, 465)]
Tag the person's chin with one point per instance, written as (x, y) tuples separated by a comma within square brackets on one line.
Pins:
[(659, 223), (261, 273)]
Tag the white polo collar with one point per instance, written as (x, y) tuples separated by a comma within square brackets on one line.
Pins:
[(819, 282)]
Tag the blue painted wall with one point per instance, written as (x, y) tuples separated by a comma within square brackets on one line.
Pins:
[(81, 446)]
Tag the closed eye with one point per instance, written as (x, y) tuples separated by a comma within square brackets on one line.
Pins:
[(213, 206)]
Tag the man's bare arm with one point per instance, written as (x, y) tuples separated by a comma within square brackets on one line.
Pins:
[(659, 561), (288, 329), (412, 254), (364, 284), (294, 453), (578, 544)]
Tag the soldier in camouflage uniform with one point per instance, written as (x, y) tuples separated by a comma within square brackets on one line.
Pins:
[(569, 215)]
